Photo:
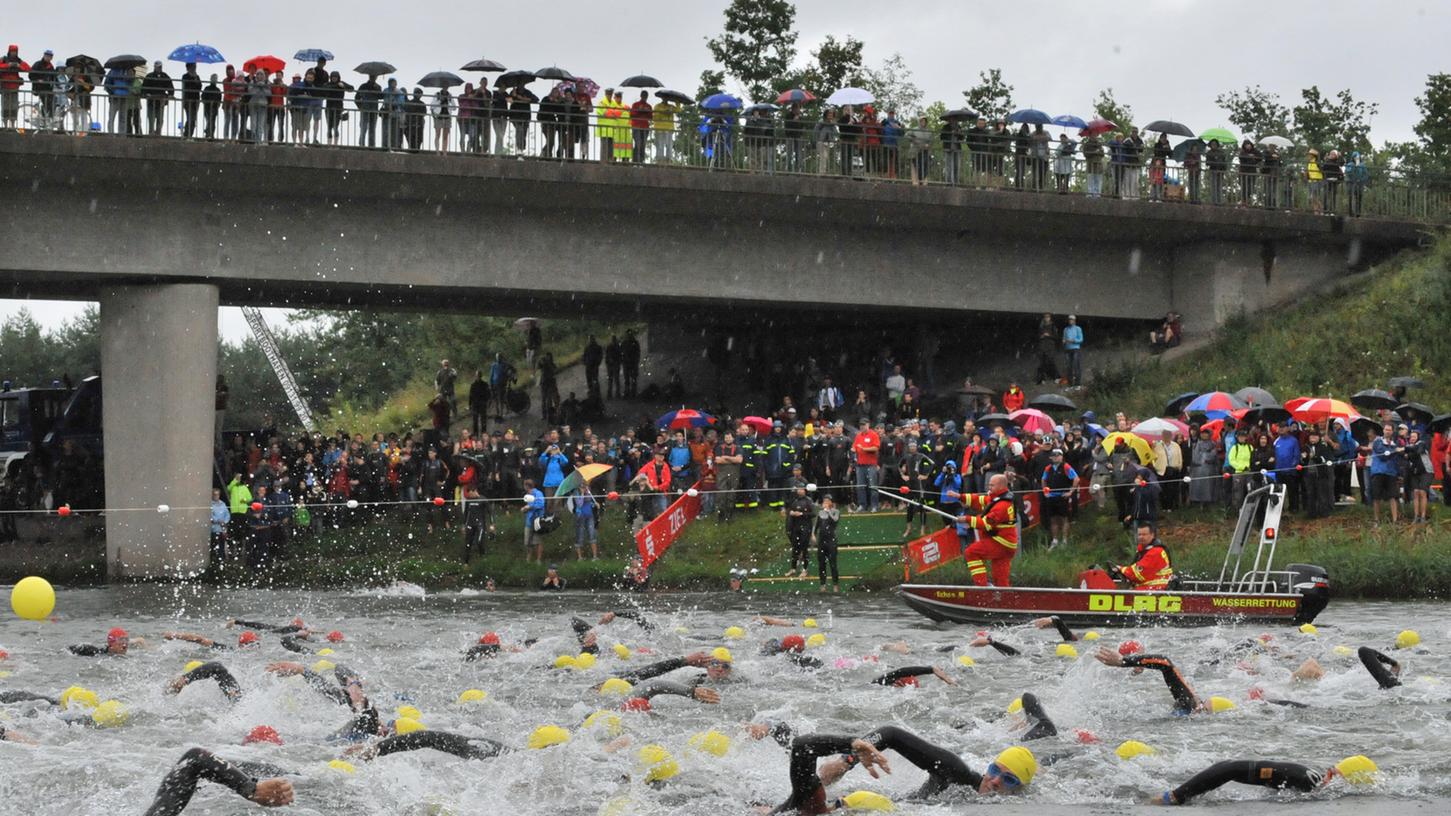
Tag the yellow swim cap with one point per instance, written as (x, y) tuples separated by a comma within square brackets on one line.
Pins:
[(1067, 650), (658, 764), (409, 712), (407, 725), (1342, 651), (711, 742), (1016, 705), (565, 662), (1020, 762), (611, 722), (79, 696), (867, 800), (615, 685), (1128, 749), (586, 660), (1308, 629), (1221, 704), (1090, 635), (472, 696), (618, 806), (1408, 639), (721, 653), (809, 623), (1357, 770), (187, 669), (324, 652), (622, 651), (323, 666), (547, 735), (110, 714), (342, 765), (967, 660), (815, 640), (734, 633)]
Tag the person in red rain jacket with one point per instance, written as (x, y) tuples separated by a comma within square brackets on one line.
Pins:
[(997, 527), (1152, 569), (1013, 399)]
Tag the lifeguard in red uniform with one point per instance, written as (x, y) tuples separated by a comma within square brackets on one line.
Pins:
[(993, 515), (1152, 569)]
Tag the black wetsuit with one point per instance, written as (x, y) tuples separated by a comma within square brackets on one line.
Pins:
[(1278, 775), (1376, 664), (292, 644), (482, 650), (944, 768), (363, 726), (26, 697), (1185, 702), (215, 671), (1063, 630), (655, 688), (197, 764), (289, 629), (895, 676), (87, 650), (653, 669), (456, 744)]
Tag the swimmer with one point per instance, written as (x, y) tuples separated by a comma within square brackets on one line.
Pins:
[(295, 627), (907, 676), (208, 671), (1185, 702), (1276, 775), (17, 696), (1057, 623), (589, 637), (490, 646), (716, 669), (641, 696), (348, 691), (1376, 663), (255, 782), (117, 644), (767, 620), (793, 647), (11, 735), (457, 744), (1052, 621), (244, 640)]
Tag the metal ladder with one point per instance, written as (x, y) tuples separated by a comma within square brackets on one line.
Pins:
[(279, 366)]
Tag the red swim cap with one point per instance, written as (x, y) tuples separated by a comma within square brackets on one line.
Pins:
[(1084, 736), (298, 622), (262, 733), (247, 638), (490, 639), (1129, 647), (115, 635), (4, 655), (793, 643), (637, 704), (335, 636), (1256, 693), (906, 681)]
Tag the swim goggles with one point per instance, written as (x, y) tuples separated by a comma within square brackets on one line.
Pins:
[(1007, 778)]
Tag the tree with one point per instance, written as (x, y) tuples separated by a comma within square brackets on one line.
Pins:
[(1255, 112), (711, 82), (1106, 107), (1434, 129), (1343, 124), (758, 44), (991, 97), (833, 65), (892, 85)]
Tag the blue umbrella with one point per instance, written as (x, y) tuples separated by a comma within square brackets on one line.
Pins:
[(1031, 116), (312, 55), (1069, 121), (196, 52), (721, 101), (1098, 430)]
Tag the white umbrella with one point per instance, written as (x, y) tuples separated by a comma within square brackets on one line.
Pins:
[(851, 96), (1277, 141), (1154, 428)]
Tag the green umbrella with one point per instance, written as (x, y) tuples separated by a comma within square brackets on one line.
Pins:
[(1224, 136)]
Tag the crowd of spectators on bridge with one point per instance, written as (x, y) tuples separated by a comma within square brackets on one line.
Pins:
[(577, 119)]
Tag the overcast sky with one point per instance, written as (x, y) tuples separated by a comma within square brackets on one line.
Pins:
[(1165, 58)]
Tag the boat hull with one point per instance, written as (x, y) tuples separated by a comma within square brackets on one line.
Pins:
[(1104, 607)]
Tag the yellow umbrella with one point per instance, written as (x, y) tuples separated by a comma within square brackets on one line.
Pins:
[(1137, 443), (582, 475)]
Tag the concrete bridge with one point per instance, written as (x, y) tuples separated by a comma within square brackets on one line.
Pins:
[(162, 231)]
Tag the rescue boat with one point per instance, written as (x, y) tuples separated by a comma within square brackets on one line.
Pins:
[(1243, 593)]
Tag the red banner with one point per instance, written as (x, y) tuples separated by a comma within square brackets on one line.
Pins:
[(1030, 510), (930, 552), (657, 536)]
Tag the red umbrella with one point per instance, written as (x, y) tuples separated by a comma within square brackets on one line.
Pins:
[(266, 62), (685, 418), (1097, 127), (758, 424), (1215, 428), (1321, 409), (1032, 420), (1296, 403)]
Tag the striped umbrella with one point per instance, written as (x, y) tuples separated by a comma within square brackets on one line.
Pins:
[(1319, 409), (685, 418), (1215, 404), (1032, 420)]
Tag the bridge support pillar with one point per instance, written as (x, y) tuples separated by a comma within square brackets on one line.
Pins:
[(159, 369)]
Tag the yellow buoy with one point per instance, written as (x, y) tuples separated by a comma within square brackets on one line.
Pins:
[(33, 598)]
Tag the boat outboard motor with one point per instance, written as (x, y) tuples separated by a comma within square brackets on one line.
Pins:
[(1313, 584)]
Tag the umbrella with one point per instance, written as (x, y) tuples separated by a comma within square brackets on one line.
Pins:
[(1251, 395), (196, 52), (721, 101), (1215, 428), (760, 106), (795, 96), (1360, 428), (1156, 427), (642, 81), (685, 418), (1181, 150), (1441, 423), (758, 424), (959, 114), (441, 79), (554, 72), (313, 55), (1296, 403), (524, 323), (676, 96), (850, 96), (266, 62), (1319, 409), (1052, 402), (88, 65), (1277, 141), (1176, 405), (579, 477), (486, 65), (1218, 134), (1069, 121), (580, 85), (375, 68), (1268, 414), (1031, 116), (1097, 126), (988, 420), (977, 390), (1170, 127), (1135, 443), (126, 61), (1215, 404), (1373, 398), (514, 78), (1096, 429), (1406, 382), (1420, 412), (1032, 420)]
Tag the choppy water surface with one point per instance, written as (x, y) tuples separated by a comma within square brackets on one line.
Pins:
[(410, 647)]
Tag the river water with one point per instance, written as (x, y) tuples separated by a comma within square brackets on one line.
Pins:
[(408, 647)]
